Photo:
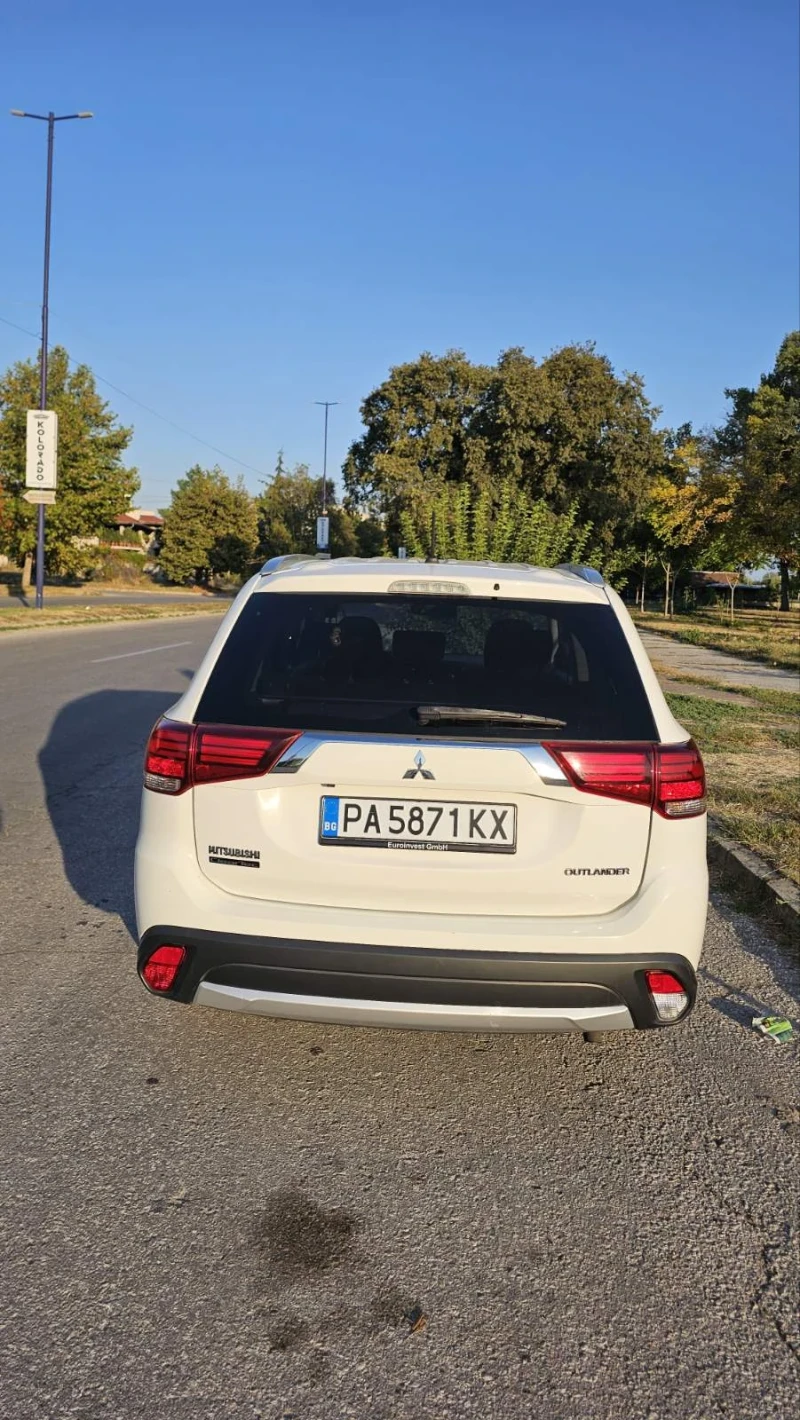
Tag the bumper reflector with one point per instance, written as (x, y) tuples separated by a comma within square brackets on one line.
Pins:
[(667, 993), (160, 970)]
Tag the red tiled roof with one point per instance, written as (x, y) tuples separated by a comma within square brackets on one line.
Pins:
[(140, 520)]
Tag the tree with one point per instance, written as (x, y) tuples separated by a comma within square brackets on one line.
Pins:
[(567, 430), (573, 432), (210, 528), (760, 445), (457, 522), (370, 537), (690, 512), (287, 516), (94, 486), (419, 425)]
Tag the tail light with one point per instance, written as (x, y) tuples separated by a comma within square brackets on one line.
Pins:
[(160, 970), (614, 771), (169, 752), (680, 781), (667, 993), (669, 778), (181, 756)]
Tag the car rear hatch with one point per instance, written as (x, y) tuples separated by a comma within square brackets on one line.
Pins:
[(356, 750)]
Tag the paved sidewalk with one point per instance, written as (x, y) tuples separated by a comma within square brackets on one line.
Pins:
[(678, 656)]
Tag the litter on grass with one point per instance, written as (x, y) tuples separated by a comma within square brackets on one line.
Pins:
[(776, 1027)]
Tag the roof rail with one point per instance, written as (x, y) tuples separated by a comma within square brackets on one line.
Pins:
[(279, 564), (587, 574)]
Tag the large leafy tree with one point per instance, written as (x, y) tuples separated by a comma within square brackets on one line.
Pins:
[(419, 433), (689, 518), (568, 430), (287, 516), (210, 528), (760, 445), (572, 431), (94, 486)]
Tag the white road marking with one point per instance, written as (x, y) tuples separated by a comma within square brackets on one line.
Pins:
[(173, 645)]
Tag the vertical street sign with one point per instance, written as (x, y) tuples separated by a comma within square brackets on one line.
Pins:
[(323, 533), (41, 449)]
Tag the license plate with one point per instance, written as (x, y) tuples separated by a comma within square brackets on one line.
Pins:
[(418, 825)]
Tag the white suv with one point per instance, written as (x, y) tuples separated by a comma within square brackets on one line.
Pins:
[(438, 795)]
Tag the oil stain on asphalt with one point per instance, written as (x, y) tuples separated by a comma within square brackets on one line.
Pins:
[(298, 1237)]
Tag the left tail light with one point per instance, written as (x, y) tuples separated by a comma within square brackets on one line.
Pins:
[(161, 969), (180, 756)]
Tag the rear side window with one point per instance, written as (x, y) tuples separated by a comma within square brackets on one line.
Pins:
[(368, 663)]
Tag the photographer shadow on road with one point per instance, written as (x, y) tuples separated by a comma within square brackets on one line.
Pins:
[(91, 766)]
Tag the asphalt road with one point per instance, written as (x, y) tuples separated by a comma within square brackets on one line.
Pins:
[(207, 1216)]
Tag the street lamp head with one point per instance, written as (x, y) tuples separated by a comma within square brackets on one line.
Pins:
[(17, 113), (85, 115)]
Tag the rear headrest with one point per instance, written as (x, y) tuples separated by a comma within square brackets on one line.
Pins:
[(361, 635), (418, 649), (516, 646)]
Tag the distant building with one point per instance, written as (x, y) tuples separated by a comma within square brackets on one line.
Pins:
[(710, 587), (142, 521)]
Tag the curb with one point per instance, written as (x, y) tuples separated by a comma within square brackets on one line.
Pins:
[(740, 865)]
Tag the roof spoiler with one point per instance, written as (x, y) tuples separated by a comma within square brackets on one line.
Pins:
[(587, 574), (280, 564)]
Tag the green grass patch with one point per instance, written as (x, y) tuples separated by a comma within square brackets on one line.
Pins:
[(28, 619), (752, 756), (766, 817), (719, 728)]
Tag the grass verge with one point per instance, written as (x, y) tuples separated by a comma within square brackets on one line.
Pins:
[(28, 619), (771, 638), (752, 757)]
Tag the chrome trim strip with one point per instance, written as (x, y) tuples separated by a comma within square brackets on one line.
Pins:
[(298, 754), (411, 1015)]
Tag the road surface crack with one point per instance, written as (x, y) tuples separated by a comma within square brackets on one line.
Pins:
[(773, 1298)]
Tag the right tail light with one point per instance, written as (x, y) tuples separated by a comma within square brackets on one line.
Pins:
[(669, 778), (680, 781), (668, 994)]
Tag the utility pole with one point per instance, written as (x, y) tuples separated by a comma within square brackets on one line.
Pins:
[(323, 526), (325, 404), (51, 119)]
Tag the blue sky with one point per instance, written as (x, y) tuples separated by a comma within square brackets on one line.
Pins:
[(277, 202)]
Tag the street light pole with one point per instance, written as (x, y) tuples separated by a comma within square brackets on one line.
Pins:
[(325, 404), (51, 119)]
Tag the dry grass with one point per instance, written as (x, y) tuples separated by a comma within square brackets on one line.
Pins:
[(771, 637), (22, 618), (752, 755)]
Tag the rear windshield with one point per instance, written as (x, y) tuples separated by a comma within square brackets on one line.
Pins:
[(374, 663)]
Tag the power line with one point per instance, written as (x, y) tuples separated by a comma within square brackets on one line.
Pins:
[(148, 409)]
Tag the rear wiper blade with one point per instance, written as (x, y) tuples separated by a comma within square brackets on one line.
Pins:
[(474, 715)]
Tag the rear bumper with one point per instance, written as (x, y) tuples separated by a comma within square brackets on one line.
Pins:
[(416, 988)]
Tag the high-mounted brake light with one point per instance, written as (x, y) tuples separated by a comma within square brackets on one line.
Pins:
[(669, 778), (668, 994), (181, 756), (160, 970)]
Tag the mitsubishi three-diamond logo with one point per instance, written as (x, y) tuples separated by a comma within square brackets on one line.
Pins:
[(419, 760)]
